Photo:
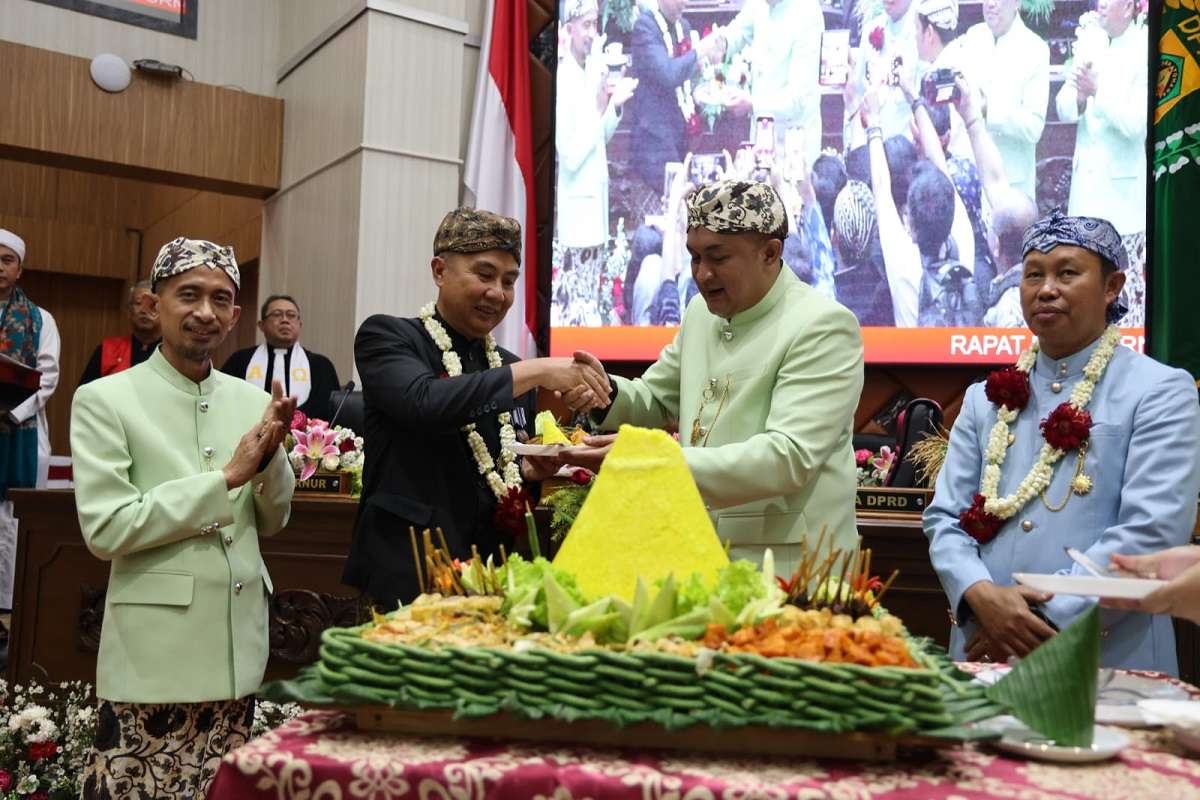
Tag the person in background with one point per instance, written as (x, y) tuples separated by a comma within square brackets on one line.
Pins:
[(1105, 94), (1179, 566), (179, 469), (1010, 65), (663, 108), (30, 336), (861, 284), (828, 180), (588, 111), (786, 38), (117, 353), (307, 376), (887, 58), (929, 273)]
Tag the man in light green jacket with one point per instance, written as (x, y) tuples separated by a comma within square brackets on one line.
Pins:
[(178, 470), (763, 379)]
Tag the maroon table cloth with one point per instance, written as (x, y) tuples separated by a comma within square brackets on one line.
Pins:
[(321, 756)]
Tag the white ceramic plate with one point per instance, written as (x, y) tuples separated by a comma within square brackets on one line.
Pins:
[(538, 449), (1106, 743), (1089, 586)]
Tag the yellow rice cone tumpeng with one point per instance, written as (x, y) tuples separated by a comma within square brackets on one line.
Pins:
[(546, 426), (643, 517)]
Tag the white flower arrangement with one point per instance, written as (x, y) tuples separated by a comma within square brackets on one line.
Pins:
[(500, 479), (45, 738), (1042, 471)]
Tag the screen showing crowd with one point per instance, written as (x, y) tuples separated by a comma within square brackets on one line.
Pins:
[(991, 113)]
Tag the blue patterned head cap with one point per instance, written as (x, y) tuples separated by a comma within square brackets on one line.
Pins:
[(1091, 233), (735, 206), (181, 254)]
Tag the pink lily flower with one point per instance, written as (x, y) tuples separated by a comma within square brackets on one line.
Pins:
[(313, 446)]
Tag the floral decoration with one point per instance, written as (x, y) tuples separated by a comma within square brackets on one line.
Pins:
[(503, 473), (872, 468), (1065, 429), (312, 445), (978, 523), (510, 511), (1008, 387), (876, 38), (45, 737)]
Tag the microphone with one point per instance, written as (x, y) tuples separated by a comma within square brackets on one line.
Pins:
[(349, 388)]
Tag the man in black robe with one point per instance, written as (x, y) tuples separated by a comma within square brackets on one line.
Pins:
[(309, 377), (439, 396)]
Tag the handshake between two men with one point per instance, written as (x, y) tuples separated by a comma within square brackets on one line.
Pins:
[(584, 385)]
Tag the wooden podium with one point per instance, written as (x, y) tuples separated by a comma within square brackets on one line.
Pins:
[(58, 602)]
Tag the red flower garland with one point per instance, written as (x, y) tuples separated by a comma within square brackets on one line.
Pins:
[(510, 512), (1067, 427), (876, 38), (41, 750), (581, 477), (982, 526), (1008, 387)]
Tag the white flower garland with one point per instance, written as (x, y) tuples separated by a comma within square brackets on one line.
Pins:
[(1042, 470), (508, 475), (683, 94)]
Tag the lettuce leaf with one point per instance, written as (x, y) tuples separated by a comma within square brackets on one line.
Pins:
[(525, 602)]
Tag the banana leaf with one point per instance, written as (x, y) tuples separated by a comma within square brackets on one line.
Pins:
[(1053, 689)]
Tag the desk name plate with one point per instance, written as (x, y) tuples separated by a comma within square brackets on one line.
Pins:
[(880, 499), (325, 483)]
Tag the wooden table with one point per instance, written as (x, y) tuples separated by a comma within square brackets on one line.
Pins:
[(58, 602)]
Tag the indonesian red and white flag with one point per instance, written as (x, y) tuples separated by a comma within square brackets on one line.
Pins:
[(498, 175)]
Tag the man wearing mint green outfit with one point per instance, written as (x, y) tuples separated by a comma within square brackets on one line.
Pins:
[(178, 471), (762, 378)]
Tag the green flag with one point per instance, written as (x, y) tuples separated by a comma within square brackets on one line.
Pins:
[(1175, 283)]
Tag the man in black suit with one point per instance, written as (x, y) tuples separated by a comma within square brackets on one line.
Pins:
[(662, 107), (309, 377), (439, 398)]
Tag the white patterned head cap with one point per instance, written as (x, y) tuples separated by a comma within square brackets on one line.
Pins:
[(180, 255), (940, 13), (576, 8)]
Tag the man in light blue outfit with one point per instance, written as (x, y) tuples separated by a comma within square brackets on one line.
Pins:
[(1140, 454)]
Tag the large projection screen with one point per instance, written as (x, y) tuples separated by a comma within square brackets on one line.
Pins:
[(653, 97)]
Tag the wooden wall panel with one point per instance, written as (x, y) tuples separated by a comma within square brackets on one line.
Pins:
[(75, 248), (181, 133), (236, 41), (86, 310), (207, 215)]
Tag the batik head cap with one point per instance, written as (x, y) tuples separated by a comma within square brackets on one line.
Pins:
[(472, 230), (181, 255), (576, 8), (13, 242), (940, 13), (735, 206), (854, 218), (1091, 233)]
